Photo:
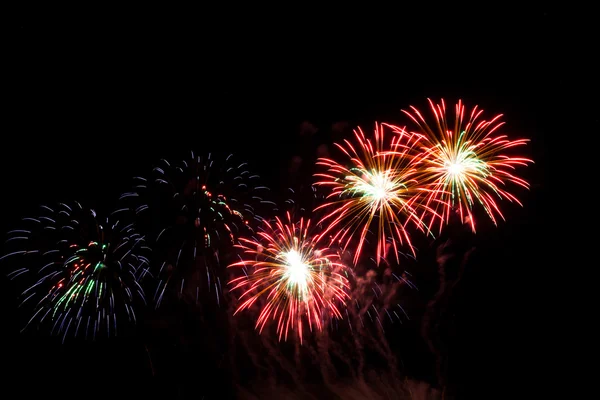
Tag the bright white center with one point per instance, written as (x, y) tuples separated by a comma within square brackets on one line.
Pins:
[(380, 186), (455, 168), (296, 269), (379, 193)]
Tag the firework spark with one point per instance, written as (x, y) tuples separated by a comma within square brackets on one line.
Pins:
[(195, 210), (380, 182), (298, 279), (466, 162), (86, 273)]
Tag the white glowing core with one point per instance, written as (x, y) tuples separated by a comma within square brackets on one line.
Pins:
[(377, 185), (455, 168), (297, 270)]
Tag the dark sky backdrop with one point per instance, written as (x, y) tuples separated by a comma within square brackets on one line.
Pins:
[(88, 106)]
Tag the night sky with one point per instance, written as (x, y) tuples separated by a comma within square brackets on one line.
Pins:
[(89, 106)]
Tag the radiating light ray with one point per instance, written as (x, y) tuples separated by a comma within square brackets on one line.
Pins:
[(83, 270), (466, 162), (298, 281), (378, 183)]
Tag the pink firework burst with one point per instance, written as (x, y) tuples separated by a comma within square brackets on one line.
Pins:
[(293, 279)]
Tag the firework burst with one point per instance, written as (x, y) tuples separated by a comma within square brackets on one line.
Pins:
[(86, 272), (379, 184), (297, 278), (466, 162), (194, 209)]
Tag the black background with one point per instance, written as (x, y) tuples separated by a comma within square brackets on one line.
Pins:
[(89, 104)]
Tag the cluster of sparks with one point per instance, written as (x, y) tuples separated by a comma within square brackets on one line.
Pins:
[(464, 162), (379, 182), (420, 177), (196, 223), (90, 274), (386, 183), (298, 279)]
